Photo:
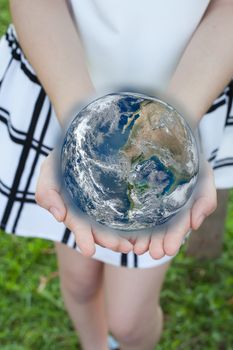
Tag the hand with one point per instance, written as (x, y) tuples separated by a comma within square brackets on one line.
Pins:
[(169, 239), (48, 196)]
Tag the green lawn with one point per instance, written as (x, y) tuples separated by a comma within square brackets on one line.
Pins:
[(4, 15), (197, 297)]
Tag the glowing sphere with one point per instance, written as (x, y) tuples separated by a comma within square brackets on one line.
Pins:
[(129, 161)]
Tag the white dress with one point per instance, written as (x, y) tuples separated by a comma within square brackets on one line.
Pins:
[(128, 42)]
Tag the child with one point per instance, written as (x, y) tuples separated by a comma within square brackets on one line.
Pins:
[(45, 70)]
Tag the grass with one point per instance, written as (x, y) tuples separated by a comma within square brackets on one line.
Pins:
[(197, 297), (4, 15)]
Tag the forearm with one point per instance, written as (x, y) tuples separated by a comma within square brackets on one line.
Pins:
[(206, 66), (52, 45)]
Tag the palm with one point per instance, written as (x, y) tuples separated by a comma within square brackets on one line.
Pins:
[(166, 241), (169, 239), (48, 196)]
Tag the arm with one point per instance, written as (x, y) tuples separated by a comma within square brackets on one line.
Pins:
[(204, 70), (52, 45), (206, 66)]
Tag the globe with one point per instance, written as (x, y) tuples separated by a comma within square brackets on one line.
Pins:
[(129, 161)]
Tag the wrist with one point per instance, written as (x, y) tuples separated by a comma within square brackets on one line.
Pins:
[(67, 106), (186, 105)]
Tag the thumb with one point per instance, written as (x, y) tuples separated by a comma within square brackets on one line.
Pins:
[(47, 193), (206, 200)]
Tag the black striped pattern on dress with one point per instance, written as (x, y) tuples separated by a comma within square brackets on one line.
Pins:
[(23, 158), (28, 197), (220, 101), (225, 98), (213, 155), (229, 117), (4, 75), (66, 236), (18, 54), (228, 161), (36, 157), (225, 162), (18, 136), (124, 256), (24, 138), (124, 259)]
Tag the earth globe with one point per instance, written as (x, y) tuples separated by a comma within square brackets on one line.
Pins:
[(129, 161)]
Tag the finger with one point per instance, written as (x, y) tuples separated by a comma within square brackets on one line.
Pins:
[(206, 201), (175, 234), (126, 243), (142, 243), (48, 172), (156, 245), (82, 232), (132, 239), (112, 241)]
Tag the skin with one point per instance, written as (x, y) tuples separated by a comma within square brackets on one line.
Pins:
[(206, 59)]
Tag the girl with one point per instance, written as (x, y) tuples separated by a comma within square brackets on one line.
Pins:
[(54, 55)]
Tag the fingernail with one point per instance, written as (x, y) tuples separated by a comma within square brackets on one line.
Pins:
[(200, 220), (55, 212)]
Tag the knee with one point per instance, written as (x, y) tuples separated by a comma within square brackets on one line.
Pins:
[(137, 329), (81, 288)]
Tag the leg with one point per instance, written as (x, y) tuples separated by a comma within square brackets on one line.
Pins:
[(81, 283), (134, 315)]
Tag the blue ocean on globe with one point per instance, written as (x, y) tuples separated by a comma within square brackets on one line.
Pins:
[(129, 161)]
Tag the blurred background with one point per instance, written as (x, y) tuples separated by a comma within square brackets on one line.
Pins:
[(197, 297)]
